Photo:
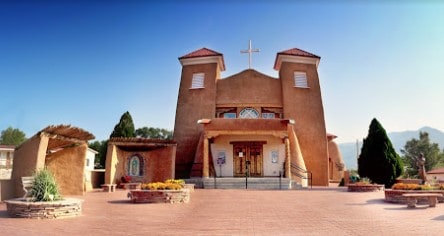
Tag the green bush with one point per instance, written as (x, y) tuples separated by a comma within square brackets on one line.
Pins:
[(44, 187)]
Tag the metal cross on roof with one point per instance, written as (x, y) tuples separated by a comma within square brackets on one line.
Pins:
[(249, 51)]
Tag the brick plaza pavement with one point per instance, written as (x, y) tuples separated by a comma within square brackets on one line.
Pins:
[(321, 211)]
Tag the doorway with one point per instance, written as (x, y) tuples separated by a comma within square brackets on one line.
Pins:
[(248, 159)]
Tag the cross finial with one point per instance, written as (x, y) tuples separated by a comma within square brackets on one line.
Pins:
[(249, 51)]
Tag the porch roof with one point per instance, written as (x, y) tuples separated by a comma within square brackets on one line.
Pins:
[(276, 127)]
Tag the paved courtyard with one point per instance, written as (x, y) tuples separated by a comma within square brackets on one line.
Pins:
[(321, 211)]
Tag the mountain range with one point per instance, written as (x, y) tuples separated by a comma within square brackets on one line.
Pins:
[(350, 151)]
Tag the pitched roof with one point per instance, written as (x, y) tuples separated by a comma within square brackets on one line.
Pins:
[(203, 52), (436, 171), (299, 56), (298, 52), (203, 56)]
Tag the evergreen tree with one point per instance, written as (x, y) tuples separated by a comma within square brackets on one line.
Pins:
[(378, 160), (414, 147), (11, 136), (125, 127)]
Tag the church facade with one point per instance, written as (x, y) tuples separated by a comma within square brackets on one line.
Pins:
[(251, 123)]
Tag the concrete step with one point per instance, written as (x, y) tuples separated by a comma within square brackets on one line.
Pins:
[(243, 183)]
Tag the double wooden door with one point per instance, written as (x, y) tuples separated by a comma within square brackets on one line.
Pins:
[(248, 159)]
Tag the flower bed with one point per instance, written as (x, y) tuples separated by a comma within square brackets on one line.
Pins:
[(160, 196), (170, 191), (394, 195), (21, 208), (365, 187)]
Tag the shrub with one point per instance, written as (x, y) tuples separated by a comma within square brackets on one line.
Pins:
[(44, 187)]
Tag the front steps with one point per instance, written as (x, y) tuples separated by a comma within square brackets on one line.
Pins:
[(243, 183)]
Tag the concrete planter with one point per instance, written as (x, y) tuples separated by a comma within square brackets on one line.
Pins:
[(395, 196), (20, 208), (160, 196), (365, 187)]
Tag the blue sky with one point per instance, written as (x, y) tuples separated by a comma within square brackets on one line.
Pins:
[(85, 64)]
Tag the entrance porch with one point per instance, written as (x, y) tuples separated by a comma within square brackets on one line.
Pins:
[(262, 150)]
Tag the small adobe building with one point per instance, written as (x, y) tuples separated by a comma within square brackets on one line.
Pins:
[(271, 125), (143, 160), (62, 149)]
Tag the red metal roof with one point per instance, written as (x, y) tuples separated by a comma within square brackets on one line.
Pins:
[(436, 171), (297, 52), (7, 146), (294, 52), (203, 52)]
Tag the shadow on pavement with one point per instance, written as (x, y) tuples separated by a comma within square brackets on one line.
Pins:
[(4, 214), (439, 218), (120, 202)]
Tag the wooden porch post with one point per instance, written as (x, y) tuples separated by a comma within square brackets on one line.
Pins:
[(287, 158), (205, 164)]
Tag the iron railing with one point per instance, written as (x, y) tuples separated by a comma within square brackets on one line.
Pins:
[(296, 170)]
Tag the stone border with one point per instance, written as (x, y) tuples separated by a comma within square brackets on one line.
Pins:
[(20, 208), (395, 196), (160, 196), (365, 187)]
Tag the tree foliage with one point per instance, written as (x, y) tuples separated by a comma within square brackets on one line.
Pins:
[(125, 127), (11, 136), (101, 147), (154, 133), (414, 147), (378, 160)]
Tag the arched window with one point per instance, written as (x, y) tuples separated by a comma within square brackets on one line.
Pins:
[(249, 113), (135, 166)]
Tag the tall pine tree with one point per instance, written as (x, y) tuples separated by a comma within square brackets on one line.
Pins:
[(378, 160), (125, 127)]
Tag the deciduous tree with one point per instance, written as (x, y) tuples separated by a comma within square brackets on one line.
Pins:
[(101, 147), (154, 133), (423, 145), (11, 136)]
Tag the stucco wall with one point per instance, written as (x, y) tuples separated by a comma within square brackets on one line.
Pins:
[(28, 157), (336, 161), (158, 164), (192, 105), (304, 105), (68, 167), (249, 87)]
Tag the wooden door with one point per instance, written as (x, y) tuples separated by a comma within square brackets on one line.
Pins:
[(248, 154)]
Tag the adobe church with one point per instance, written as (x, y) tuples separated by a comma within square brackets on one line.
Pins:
[(251, 124)]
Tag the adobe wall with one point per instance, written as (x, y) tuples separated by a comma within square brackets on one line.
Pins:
[(158, 164), (110, 164), (249, 87), (304, 105), (192, 105), (68, 167), (336, 174), (28, 158), (6, 189)]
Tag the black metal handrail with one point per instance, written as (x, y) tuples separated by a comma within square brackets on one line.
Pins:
[(297, 168)]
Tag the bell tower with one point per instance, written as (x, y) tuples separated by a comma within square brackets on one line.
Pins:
[(196, 100), (302, 101)]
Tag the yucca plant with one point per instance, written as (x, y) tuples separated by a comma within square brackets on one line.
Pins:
[(44, 187)]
